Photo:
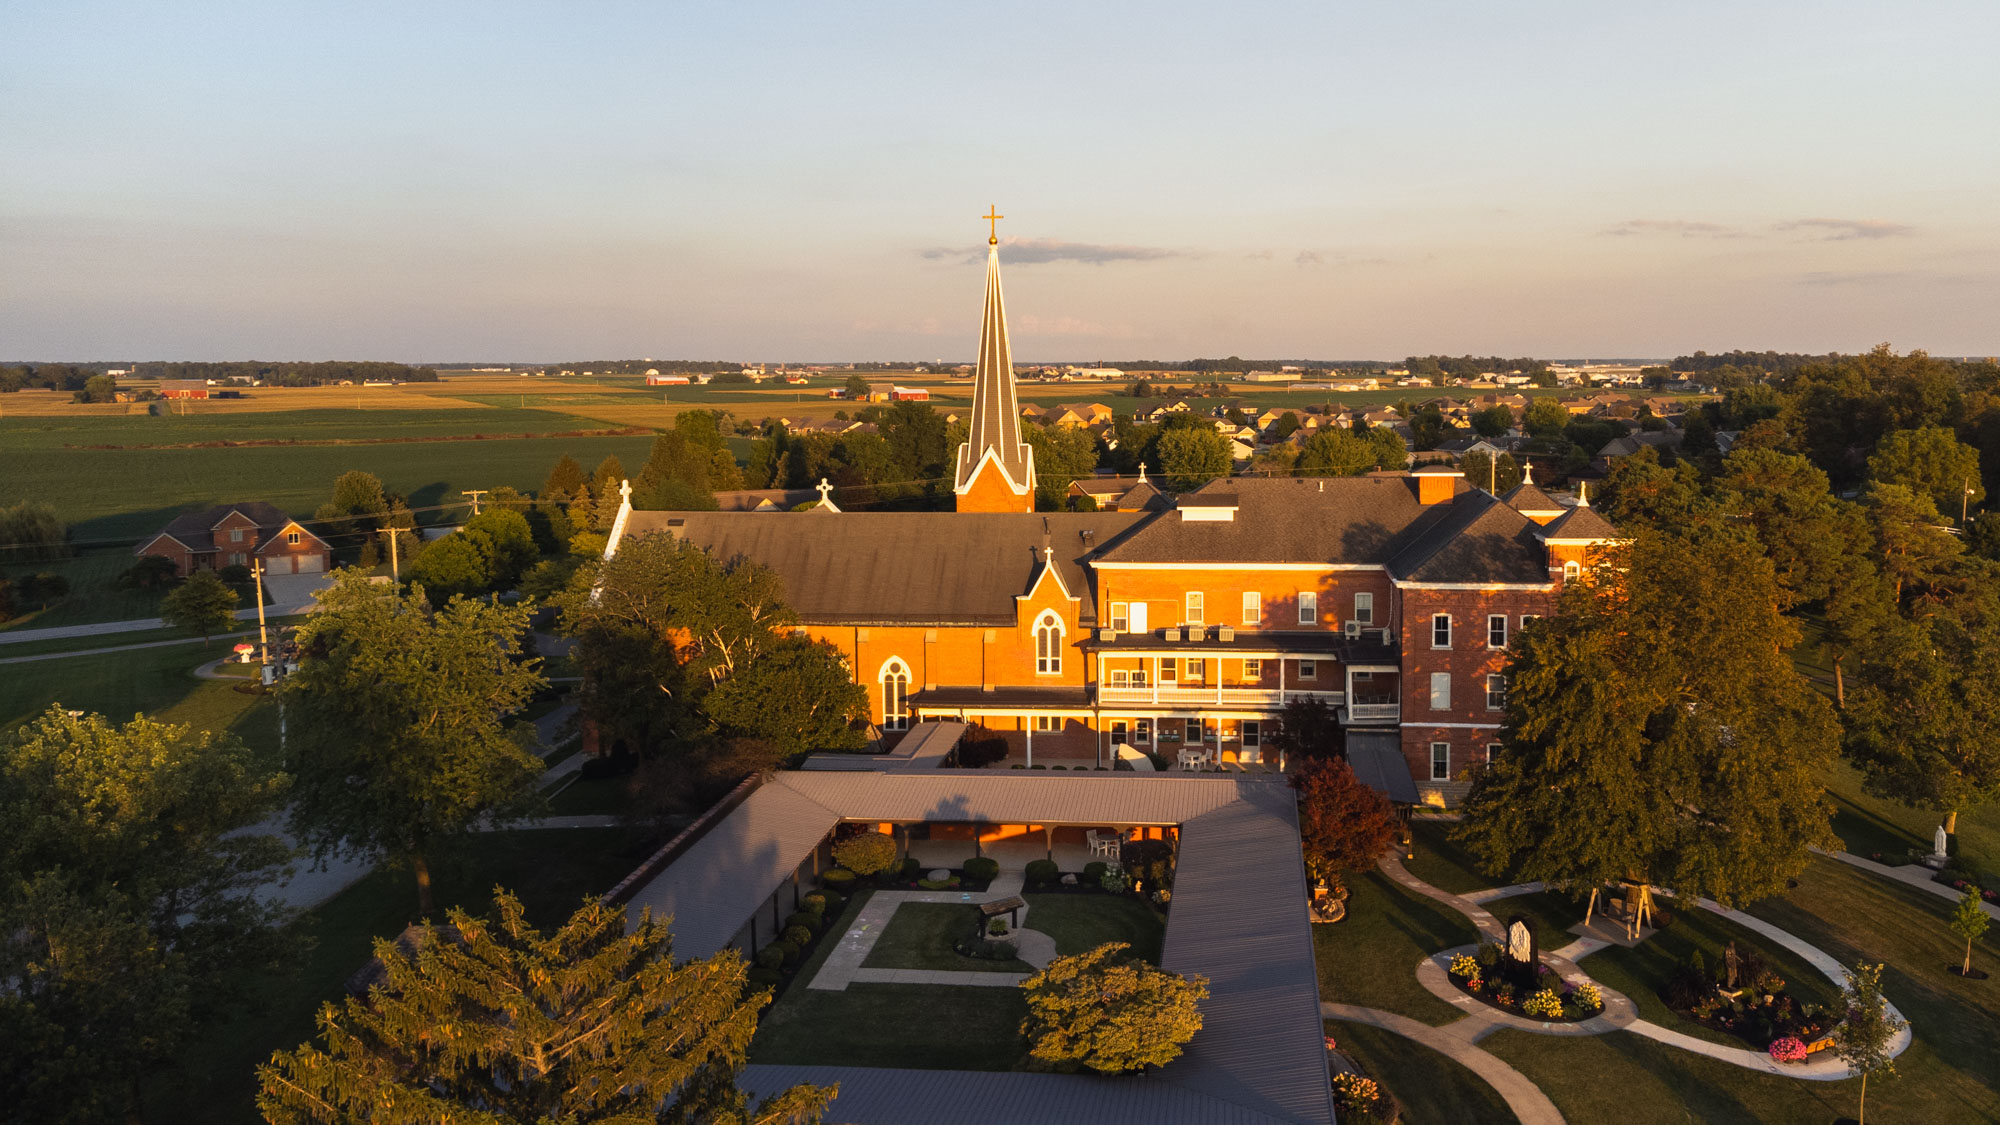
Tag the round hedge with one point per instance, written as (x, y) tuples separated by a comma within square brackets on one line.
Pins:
[(805, 920), (814, 903), (1093, 872), (798, 936), (838, 878), (771, 956), (1042, 871), (866, 853), (982, 867)]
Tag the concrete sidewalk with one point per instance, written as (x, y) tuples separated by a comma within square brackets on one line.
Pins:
[(123, 648)]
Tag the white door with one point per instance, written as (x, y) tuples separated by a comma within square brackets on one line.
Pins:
[(310, 564), (1137, 617)]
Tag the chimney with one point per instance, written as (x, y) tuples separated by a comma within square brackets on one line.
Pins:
[(1436, 483)]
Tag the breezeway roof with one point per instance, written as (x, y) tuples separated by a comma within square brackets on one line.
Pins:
[(1238, 918)]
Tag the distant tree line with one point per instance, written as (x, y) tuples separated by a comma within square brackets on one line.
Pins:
[(1471, 367), (1770, 363), (79, 376), (641, 366)]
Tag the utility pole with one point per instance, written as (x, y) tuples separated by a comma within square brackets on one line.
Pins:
[(263, 638), (1964, 498), (395, 572), (475, 493)]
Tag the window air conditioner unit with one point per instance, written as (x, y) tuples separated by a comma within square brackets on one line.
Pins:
[(1354, 630), (1388, 636), (1107, 634), (1224, 633), (1170, 634)]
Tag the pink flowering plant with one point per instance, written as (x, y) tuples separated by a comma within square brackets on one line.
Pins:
[(1788, 1048)]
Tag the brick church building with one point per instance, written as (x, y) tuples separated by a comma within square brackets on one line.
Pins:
[(1187, 626)]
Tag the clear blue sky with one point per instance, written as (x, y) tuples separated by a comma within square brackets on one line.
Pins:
[(425, 181)]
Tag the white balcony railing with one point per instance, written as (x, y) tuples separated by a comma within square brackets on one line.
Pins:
[(1211, 695), (1374, 712)]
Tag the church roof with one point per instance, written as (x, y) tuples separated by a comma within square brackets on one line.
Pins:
[(1480, 540), (996, 414), (1581, 522), (907, 568), (1529, 497)]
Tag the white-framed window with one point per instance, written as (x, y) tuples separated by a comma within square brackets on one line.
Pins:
[(1253, 607), (1169, 669), (1197, 671), (1492, 752), (1120, 677), (1119, 618), (1308, 607), (1364, 608), (1142, 731), (1527, 617), (1496, 692), (1440, 761), (1440, 630), (236, 535), (1048, 724), (895, 695), (1496, 630), (1571, 570), (1119, 732), (1252, 734), (293, 538), (1048, 644), (1308, 669), (1194, 608), (1253, 670), (1363, 676), (1440, 691)]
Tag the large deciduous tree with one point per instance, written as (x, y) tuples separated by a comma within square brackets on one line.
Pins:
[(1191, 457), (1931, 463), (1656, 730), (126, 926), (203, 604), (357, 501), (796, 696), (400, 736), (490, 1022), (1110, 1012)]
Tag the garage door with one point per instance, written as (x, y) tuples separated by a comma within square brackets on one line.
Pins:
[(311, 564), (277, 564)]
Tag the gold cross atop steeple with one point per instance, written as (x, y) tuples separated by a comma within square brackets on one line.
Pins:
[(992, 217)]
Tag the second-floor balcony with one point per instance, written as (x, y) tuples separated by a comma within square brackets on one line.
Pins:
[(1212, 695), (1372, 711)]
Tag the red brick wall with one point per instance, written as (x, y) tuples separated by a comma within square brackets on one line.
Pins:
[(1468, 725)]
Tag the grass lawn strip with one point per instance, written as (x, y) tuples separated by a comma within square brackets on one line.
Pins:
[(1441, 863), (920, 935), (1080, 923), (1429, 1086), (889, 1025), (1370, 959)]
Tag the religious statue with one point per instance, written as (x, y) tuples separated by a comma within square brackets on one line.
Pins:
[(1938, 842)]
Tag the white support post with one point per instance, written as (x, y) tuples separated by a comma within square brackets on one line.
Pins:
[(1028, 723)]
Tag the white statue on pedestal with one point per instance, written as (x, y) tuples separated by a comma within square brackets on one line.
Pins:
[(1937, 850)]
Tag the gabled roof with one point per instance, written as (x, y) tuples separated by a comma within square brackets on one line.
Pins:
[(1336, 520), (1581, 522), (932, 568), (1481, 540), (196, 530), (996, 414), (1528, 497)]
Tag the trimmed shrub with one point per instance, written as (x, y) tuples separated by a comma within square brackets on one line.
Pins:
[(838, 878), (815, 903), (1017, 766), (912, 867), (786, 949), (938, 884), (771, 956), (1113, 880), (981, 867), (798, 936), (866, 854), (805, 920), (981, 748), (761, 977), (833, 902), (1041, 872), (1093, 872), (1038, 766)]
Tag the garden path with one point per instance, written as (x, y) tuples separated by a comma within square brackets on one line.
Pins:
[(844, 966), (1913, 874), (1525, 1098), (1620, 1013)]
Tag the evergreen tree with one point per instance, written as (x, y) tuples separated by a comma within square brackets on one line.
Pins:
[(565, 480), (1657, 731), (499, 1022)]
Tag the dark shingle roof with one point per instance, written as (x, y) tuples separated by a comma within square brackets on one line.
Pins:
[(1580, 523), (1528, 497), (1356, 520), (1480, 540), (197, 529), (940, 568)]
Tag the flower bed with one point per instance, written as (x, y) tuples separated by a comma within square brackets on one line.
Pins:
[(1759, 1011), (1537, 994)]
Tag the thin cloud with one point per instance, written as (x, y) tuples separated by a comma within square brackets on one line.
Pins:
[(1036, 251), (1852, 277), (1310, 258), (1683, 228), (1843, 230)]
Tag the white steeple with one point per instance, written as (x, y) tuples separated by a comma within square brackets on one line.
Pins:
[(995, 432)]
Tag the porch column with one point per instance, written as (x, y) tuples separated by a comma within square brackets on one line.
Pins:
[(1049, 841), (1281, 681), (1028, 724), (1156, 679)]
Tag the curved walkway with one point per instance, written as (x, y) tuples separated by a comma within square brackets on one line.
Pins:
[(1620, 1013), (1522, 1096)]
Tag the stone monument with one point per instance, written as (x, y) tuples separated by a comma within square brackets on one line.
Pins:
[(1521, 954)]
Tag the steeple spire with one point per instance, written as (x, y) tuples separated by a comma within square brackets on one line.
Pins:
[(995, 433)]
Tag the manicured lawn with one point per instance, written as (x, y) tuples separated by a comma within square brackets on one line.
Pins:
[(1081, 923), (1371, 958), (156, 681), (1948, 1074), (1430, 1087), (920, 935), (598, 796), (1549, 913), (890, 1025), (1871, 824), (1443, 864), (94, 593), (551, 870)]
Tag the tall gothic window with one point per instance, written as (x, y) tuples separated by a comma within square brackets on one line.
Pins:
[(895, 695), (1048, 645)]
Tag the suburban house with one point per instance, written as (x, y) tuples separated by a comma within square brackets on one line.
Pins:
[(237, 535), (1171, 628)]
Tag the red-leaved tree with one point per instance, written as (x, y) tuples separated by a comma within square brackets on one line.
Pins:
[(1343, 824)]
